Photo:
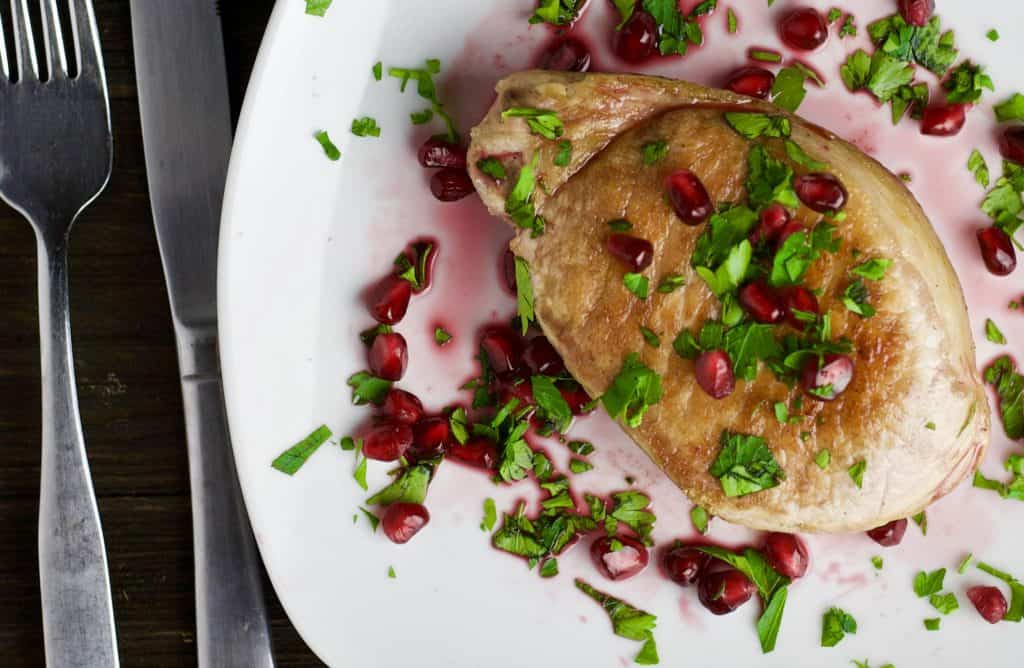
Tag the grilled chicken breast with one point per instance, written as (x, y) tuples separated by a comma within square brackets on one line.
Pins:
[(914, 420)]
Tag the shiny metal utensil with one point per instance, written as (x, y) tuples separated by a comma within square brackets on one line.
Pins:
[(55, 158), (186, 132)]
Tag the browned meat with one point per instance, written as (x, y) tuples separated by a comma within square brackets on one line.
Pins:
[(916, 412)]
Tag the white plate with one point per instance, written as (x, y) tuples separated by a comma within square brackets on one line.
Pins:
[(302, 236)]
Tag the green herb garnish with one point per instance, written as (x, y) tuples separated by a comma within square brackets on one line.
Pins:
[(745, 465), (410, 486), (944, 603), (765, 55), (652, 339), (823, 459), (752, 125), (637, 284), (977, 166), (427, 90), (966, 83), (633, 391), (292, 459), (378, 70), (330, 150), (654, 152), (627, 622), (1012, 109), (933, 623), (1009, 385), (524, 294), (519, 203), (490, 515), (542, 122), (317, 7), (556, 12), (373, 519), (676, 31), (835, 624), (550, 403), (368, 389), (993, 35), (671, 283), (993, 333), (857, 470), (365, 127), (788, 91), (492, 167), (700, 519), (926, 584)]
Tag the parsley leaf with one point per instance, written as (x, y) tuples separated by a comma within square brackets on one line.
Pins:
[(926, 584), (627, 621), (855, 299), (556, 12), (1009, 385), (542, 122), (993, 35), (823, 459), (578, 466), (634, 390), (631, 508), (637, 284), (700, 519), (724, 231), (292, 459), (564, 156), (409, 487), (926, 45), (368, 389), (977, 166), (626, 9), (490, 515), (441, 336), (731, 21), (835, 624), (317, 7), (873, 269), (877, 562), (654, 152), (944, 603), (849, 27), (373, 519), (765, 55), (857, 470), (770, 621), (524, 294), (992, 332), (516, 536), (800, 157), (492, 167), (676, 31), (921, 520), (753, 126), (1012, 109), (427, 90), (769, 180), (650, 337), (671, 283), (788, 91), (966, 82), (745, 465), (583, 448), (359, 474), (932, 624), (519, 203), (620, 225), (330, 150), (834, 15), (365, 127), (792, 260), (378, 70), (1015, 612), (747, 344), (552, 406), (421, 117)]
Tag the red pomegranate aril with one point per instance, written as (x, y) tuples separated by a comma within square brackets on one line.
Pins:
[(688, 197), (788, 230), (387, 441), (404, 407), (714, 373), (477, 452), (917, 12), (431, 437), (997, 251), (566, 55), (637, 40), (722, 591), (542, 358), (451, 184), (510, 387), (619, 557), (684, 564), (762, 302), (502, 347), (635, 252), (787, 554), (889, 535), (751, 81), (389, 356), (579, 401), (402, 521), (801, 299), (437, 152), (773, 220), (943, 120), (821, 192), (803, 29), (389, 300), (1011, 144), (508, 269), (826, 379), (989, 602)]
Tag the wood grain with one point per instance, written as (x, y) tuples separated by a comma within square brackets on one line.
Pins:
[(128, 388)]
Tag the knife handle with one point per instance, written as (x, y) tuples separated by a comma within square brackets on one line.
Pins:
[(231, 618)]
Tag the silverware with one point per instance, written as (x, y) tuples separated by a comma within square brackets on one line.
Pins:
[(55, 158), (186, 131)]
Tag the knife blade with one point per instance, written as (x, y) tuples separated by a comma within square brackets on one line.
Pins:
[(186, 131)]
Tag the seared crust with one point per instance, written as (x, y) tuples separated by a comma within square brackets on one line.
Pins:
[(914, 360)]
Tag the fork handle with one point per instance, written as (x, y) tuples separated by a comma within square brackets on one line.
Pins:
[(78, 615), (231, 619)]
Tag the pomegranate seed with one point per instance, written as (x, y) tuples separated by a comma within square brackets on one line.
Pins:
[(751, 81), (619, 557), (387, 441), (820, 192), (787, 554), (722, 591), (404, 407), (502, 347), (389, 356), (508, 269), (889, 534), (803, 29), (635, 252), (773, 220), (799, 298), (714, 374), (638, 38), (829, 378), (997, 251), (1011, 144), (943, 120), (389, 299), (684, 564), (917, 12), (451, 184), (990, 603), (566, 55), (689, 198), (402, 521), (761, 302), (510, 387), (542, 358), (431, 437), (476, 452), (437, 152), (791, 228), (577, 398)]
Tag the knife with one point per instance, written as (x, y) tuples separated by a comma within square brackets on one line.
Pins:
[(186, 134)]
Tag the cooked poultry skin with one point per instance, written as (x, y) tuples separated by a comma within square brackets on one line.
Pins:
[(915, 414)]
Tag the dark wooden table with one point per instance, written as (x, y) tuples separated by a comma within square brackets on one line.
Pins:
[(128, 388)]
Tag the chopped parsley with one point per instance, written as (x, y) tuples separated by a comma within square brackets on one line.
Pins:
[(631, 509), (365, 127), (582, 448), (1009, 385), (524, 294), (421, 117), (888, 79), (921, 520), (549, 568), (427, 90), (409, 486), (835, 624), (330, 150), (542, 122), (834, 15), (492, 167), (292, 459), (966, 82), (551, 405), (1012, 109), (626, 9), (519, 203), (993, 333), (650, 337), (620, 225), (1012, 490), (654, 152), (926, 45), (556, 12), (637, 284), (769, 180), (1015, 613), (944, 603), (378, 70), (700, 519), (857, 470), (855, 299), (993, 35), (373, 519), (676, 31), (490, 515), (788, 91), (877, 562), (507, 429), (930, 426), (391, 572), (459, 425), (823, 459), (578, 466), (964, 563), (348, 444), (441, 336), (927, 584), (800, 157), (627, 622), (745, 465), (359, 473), (633, 391), (731, 21), (873, 270), (976, 165), (849, 27), (798, 253), (932, 624), (318, 7), (765, 55), (671, 283), (368, 389), (722, 254), (752, 126), (564, 156), (413, 266)]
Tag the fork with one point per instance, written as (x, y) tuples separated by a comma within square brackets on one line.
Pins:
[(55, 158)]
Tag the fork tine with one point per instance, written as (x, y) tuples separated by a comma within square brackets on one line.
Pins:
[(87, 39), (53, 39), (3, 56), (24, 45)]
